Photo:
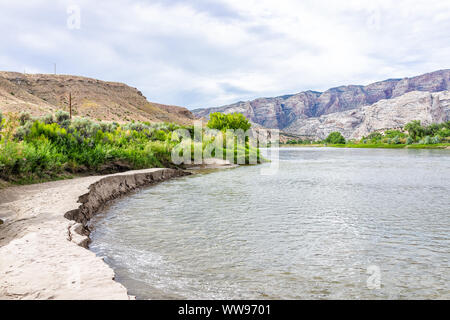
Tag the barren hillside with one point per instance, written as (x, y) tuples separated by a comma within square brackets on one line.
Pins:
[(43, 93)]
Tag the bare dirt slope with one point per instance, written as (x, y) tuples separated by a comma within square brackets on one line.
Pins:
[(44, 93)]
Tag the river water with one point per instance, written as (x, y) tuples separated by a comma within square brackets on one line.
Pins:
[(330, 224)]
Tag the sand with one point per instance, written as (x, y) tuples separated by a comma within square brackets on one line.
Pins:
[(43, 254)]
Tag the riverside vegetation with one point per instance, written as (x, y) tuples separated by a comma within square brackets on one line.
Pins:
[(56, 147), (414, 135)]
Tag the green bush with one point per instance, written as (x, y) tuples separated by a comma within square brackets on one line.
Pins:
[(394, 133), (395, 140), (24, 117), (426, 140), (415, 129), (374, 137), (435, 140), (48, 119), (335, 138), (43, 149), (62, 118), (409, 141), (2, 123), (235, 121)]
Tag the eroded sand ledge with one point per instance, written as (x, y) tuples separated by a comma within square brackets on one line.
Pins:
[(43, 254)]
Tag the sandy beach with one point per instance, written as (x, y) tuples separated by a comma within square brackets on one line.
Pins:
[(43, 238)]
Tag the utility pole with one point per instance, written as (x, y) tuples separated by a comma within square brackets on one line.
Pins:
[(55, 68), (70, 105)]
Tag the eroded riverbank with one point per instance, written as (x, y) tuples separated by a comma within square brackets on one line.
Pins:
[(43, 254)]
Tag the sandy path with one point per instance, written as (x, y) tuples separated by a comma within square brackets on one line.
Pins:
[(40, 255)]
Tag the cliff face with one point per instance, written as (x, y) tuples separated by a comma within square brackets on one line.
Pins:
[(385, 114), (43, 93), (282, 112)]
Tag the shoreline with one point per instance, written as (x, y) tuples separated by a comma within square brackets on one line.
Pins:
[(369, 146), (44, 236)]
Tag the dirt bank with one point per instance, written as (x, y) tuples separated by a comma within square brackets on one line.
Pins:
[(43, 254)]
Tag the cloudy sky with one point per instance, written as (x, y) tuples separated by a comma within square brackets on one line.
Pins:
[(205, 53)]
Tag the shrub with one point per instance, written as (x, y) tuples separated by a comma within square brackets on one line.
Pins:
[(444, 132), (426, 140), (394, 133), (48, 119), (235, 121), (409, 140), (335, 138), (62, 116), (43, 149), (375, 136), (23, 131), (395, 140), (2, 121), (85, 127), (415, 129), (24, 117), (435, 140)]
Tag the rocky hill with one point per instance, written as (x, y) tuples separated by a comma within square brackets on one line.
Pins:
[(385, 114), (291, 111), (43, 93)]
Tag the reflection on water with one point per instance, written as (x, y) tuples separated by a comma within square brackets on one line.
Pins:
[(321, 228)]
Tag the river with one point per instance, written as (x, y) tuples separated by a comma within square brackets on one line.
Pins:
[(331, 223)]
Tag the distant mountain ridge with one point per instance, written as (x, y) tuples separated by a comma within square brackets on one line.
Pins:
[(282, 112), (45, 93), (385, 114)]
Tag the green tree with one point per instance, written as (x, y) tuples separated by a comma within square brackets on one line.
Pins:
[(375, 136), (432, 129), (335, 138), (415, 129), (233, 121), (394, 133)]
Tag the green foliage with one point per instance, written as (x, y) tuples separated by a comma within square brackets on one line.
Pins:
[(432, 129), (233, 121), (48, 119), (299, 141), (423, 135), (435, 140), (375, 136), (44, 149), (2, 123), (62, 118), (394, 133), (53, 146), (395, 140), (426, 140), (444, 132), (415, 129), (24, 117), (23, 131), (434, 136), (335, 138)]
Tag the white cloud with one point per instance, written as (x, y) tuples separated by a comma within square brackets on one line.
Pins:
[(207, 53)]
